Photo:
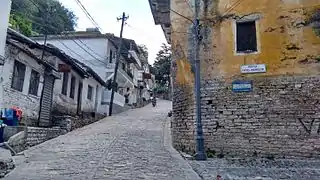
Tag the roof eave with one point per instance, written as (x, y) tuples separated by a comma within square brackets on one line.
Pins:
[(162, 18)]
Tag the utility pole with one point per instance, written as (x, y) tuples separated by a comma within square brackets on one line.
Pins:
[(114, 83), (200, 152)]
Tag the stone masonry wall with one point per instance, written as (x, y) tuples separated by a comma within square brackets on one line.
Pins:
[(279, 118), (183, 121), (39, 135)]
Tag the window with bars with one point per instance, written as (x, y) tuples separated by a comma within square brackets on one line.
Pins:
[(246, 37), (90, 91), (34, 82), (65, 83), (72, 87), (19, 71)]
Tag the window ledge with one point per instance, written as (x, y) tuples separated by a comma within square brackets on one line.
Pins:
[(32, 95), (246, 53)]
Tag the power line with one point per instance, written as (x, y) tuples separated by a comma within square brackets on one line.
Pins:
[(189, 5), (84, 44), (82, 7), (123, 19), (74, 39), (237, 3), (179, 14), (84, 49)]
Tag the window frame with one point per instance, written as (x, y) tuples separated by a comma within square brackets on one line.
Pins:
[(90, 92), (72, 86), (32, 81), (20, 79), (65, 81), (240, 53), (111, 57)]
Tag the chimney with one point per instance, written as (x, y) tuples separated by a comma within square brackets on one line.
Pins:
[(93, 30), (5, 7)]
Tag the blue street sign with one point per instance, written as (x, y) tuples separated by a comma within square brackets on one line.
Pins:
[(242, 86)]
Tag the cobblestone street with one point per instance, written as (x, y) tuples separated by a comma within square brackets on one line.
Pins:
[(131, 145), (257, 169)]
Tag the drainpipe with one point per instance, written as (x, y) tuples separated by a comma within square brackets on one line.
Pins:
[(200, 152)]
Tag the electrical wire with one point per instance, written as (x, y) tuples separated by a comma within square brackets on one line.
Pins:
[(84, 44), (73, 39), (191, 9), (82, 7), (179, 14), (237, 3)]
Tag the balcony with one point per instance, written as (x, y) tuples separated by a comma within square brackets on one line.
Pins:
[(135, 56), (129, 74), (124, 75), (111, 66), (118, 98)]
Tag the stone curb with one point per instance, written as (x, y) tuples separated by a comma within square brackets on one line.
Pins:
[(190, 174)]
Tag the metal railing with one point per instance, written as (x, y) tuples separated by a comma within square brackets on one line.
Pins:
[(118, 98)]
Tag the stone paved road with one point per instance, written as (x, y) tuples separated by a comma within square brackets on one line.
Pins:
[(129, 146), (258, 169)]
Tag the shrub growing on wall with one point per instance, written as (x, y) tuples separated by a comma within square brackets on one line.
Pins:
[(314, 21)]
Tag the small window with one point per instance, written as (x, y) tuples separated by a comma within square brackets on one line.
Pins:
[(90, 90), (65, 83), (73, 86), (246, 37), (19, 71), (34, 82), (124, 66), (110, 56)]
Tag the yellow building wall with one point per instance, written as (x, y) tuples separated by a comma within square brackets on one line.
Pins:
[(279, 28), (279, 117)]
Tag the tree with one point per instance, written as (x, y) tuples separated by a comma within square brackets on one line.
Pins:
[(162, 66), (144, 50), (46, 16), (21, 24)]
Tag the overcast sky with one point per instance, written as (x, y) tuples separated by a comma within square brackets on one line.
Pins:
[(140, 28)]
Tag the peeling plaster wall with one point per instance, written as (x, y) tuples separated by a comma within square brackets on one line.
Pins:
[(63, 104), (287, 45), (30, 104), (182, 77), (280, 117)]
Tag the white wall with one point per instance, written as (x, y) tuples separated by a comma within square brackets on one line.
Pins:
[(87, 104), (5, 7), (30, 104), (63, 103), (118, 98), (98, 45)]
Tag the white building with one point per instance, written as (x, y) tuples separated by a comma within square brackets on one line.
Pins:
[(27, 80), (54, 85), (98, 51), (79, 90)]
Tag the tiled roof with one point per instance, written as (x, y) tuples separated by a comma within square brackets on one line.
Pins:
[(79, 67)]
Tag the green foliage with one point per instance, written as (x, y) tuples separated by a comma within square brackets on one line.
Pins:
[(162, 65), (144, 50), (161, 89), (20, 23), (46, 16)]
